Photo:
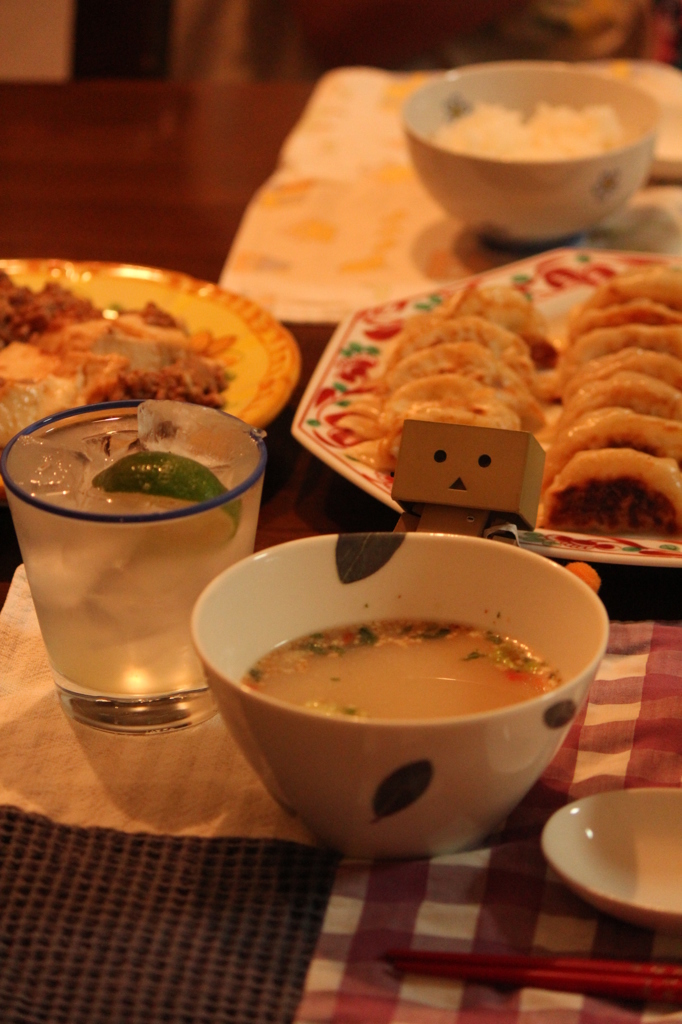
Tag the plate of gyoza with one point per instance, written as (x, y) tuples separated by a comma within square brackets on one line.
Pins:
[(581, 347)]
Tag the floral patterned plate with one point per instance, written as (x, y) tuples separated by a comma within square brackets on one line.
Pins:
[(262, 359), (556, 281)]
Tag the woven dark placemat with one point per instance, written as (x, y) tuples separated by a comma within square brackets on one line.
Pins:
[(103, 926)]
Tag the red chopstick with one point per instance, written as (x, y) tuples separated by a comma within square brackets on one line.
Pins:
[(617, 978)]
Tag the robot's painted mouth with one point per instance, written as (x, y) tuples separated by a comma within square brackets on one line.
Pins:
[(458, 485)]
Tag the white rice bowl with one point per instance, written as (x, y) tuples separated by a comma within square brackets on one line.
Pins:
[(588, 148)]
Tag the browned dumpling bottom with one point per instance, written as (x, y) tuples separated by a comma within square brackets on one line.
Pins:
[(615, 490), (615, 428)]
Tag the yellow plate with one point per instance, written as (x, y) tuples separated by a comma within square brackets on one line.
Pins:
[(261, 357)]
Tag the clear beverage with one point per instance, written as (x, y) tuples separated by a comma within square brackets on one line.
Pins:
[(114, 575)]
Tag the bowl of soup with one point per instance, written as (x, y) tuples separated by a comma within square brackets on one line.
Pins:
[(529, 152), (399, 692)]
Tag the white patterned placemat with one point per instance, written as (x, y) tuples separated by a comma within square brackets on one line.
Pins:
[(344, 223)]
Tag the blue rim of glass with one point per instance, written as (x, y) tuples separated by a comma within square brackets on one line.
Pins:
[(146, 517)]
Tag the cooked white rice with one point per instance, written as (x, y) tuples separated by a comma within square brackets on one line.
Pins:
[(550, 133)]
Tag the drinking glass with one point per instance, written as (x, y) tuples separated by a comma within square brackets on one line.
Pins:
[(114, 576)]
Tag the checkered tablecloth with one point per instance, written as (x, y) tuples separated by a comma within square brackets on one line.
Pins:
[(503, 898)]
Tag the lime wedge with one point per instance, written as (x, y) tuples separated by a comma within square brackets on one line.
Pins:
[(162, 473), (234, 511)]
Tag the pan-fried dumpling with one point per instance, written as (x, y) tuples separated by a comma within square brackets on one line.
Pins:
[(453, 357), (606, 340), (615, 490), (414, 328), (502, 305), (661, 284), (615, 428), (381, 453), (502, 343), (469, 359), (362, 422), (654, 364), (627, 390), (636, 311), (487, 413), (445, 398), (445, 390), (371, 453)]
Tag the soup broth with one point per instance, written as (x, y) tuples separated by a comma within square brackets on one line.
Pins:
[(399, 669)]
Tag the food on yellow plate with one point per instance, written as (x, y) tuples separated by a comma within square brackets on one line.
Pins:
[(33, 384), (61, 351), (25, 313), (616, 490), (615, 428), (402, 669)]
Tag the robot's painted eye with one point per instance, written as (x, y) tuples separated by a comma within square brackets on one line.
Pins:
[(440, 455), (484, 461)]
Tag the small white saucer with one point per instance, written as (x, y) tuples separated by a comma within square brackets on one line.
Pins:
[(622, 852)]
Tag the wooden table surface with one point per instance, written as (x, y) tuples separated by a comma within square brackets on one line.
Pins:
[(159, 174)]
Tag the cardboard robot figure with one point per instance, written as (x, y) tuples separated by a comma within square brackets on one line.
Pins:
[(479, 481)]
